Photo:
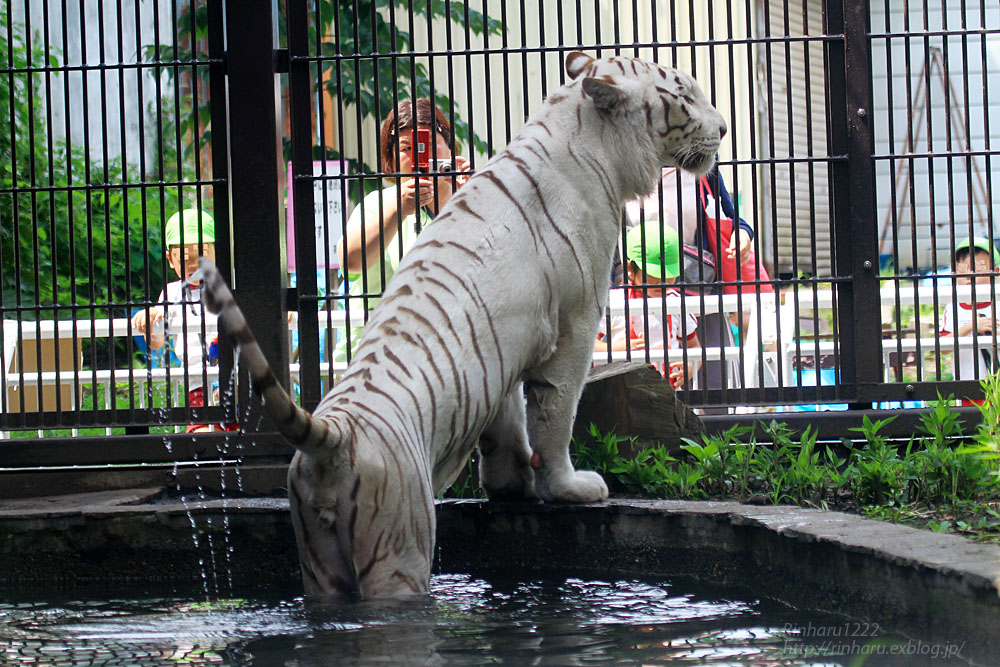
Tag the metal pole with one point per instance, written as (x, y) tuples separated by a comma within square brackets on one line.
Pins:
[(256, 178), (300, 109), (853, 196)]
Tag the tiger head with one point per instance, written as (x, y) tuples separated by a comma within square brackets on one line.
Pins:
[(683, 126)]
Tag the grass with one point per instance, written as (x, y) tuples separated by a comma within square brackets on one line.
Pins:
[(941, 479)]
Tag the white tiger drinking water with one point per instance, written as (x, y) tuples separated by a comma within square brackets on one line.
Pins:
[(484, 334)]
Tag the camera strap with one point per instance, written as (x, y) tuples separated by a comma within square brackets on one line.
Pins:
[(416, 222)]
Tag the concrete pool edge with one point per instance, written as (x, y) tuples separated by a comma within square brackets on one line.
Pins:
[(914, 581)]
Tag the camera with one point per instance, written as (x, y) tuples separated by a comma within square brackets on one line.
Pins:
[(441, 166), (421, 148)]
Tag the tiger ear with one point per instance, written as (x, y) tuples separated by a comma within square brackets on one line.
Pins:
[(606, 95), (576, 62)]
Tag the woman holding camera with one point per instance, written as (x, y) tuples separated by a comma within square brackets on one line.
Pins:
[(370, 250)]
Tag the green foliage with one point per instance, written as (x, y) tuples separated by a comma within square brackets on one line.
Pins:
[(987, 437), (467, 484), (932, 478), (651, 474), (881, 474), (70, 225), (601, 454)]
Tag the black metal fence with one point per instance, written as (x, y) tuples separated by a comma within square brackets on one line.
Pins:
[(861, 143)]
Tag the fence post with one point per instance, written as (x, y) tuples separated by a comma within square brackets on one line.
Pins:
[(255, 177), (853, 197), (300, 103)]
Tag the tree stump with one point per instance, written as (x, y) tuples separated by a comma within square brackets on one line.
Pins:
[(632, 398)]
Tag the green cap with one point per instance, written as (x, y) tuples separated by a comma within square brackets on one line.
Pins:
[(189, 217), (983, 244), (647, 236)]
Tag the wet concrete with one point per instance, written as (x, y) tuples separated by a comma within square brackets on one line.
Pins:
[(902, 579)]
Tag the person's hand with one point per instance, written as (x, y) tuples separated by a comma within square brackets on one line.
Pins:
[(140, 323), (464, 167), (741, 237), (637, 342), (985, 325), (409, 191), (677, 375)]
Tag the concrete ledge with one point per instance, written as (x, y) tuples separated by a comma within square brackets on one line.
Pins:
[(917, 582)]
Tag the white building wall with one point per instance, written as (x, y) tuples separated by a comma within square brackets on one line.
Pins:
[(935, 202), (99, 98)]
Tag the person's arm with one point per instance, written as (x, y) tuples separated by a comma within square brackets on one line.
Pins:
[(742, 239), (979, 325), (618, 338), (679, 373), (378, 216), (726, 202)]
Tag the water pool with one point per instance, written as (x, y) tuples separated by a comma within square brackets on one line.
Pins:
[(465, 620)]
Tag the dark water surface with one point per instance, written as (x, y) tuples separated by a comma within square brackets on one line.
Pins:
[(465, 621)]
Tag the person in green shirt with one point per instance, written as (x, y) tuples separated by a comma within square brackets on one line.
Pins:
[(385, 225)]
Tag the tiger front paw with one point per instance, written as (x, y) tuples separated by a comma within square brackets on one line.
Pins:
[(579, 486)]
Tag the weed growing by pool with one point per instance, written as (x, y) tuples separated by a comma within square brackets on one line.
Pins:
[(941, 478)]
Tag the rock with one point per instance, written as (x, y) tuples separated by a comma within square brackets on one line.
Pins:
[(631, 398)]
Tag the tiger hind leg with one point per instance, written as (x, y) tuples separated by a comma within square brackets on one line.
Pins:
[(504, 469)]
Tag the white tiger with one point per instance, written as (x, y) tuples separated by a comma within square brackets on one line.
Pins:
[(506, 287)]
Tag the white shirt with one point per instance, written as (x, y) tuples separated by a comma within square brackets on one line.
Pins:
[(183, 322), (970, 360), (665, 331)]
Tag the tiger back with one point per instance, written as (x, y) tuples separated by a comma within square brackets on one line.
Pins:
[(484, 334)]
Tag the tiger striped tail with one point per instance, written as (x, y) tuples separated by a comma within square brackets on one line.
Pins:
[(302, 430)]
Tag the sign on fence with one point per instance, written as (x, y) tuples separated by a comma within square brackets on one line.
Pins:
[(329, 196)]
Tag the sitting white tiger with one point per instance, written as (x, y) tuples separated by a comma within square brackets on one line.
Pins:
[(506, 287)]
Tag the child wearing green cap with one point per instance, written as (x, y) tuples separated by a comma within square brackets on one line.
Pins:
[(975, 255), (190, 234), (652, 259)]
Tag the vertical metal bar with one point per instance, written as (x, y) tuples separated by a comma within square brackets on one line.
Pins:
[(853, 196), (127, 231), (196, 133), (300, 110), (487, 88), (33, 168), (179, 180), (107, 311), (255, 149), (770, 192), (811, 194), (756, 221), (50, 197), (221, 193)]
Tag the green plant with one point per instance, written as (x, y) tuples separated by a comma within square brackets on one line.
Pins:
[(682, 481), (880, 473), (987, 436), (599, 453), (717, 458), (805, 475), (467, 484), (940, 421), (648, 474)]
